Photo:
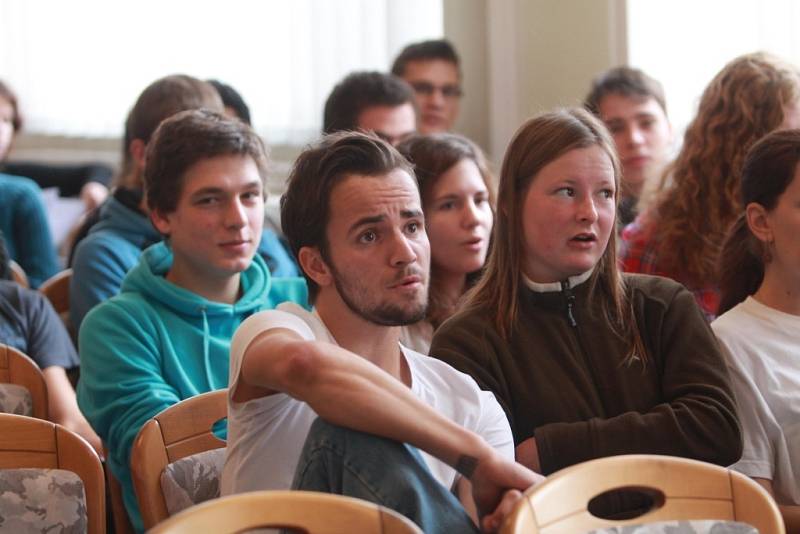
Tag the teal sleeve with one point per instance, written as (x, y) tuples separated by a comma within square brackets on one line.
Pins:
[(121, 384), (34, 249), (97, 274)]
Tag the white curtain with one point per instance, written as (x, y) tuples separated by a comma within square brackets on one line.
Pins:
[(78, 65), (684, 43)]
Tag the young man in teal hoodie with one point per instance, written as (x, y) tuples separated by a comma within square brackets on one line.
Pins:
[(166, 336)]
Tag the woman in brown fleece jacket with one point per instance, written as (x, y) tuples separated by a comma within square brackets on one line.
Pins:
[(587, 362)]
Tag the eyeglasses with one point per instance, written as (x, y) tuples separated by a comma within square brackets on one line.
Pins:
[(427, 89)]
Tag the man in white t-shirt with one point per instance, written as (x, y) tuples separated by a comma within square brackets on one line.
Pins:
[(394, 426)]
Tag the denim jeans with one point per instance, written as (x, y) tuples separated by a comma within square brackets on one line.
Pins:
[(385, 472)]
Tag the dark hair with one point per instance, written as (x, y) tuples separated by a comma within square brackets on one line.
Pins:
[(359, 91), (625, 81), (538, 142), (232, 99), (8, 94), (426, 51), (305, 206), (5, 268), (433, 155), (769, 167), (186, 138), (161, 99)]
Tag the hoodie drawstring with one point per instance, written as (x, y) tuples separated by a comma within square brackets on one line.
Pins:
[(206, 355)]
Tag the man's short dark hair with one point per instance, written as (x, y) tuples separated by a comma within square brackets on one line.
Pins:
[(305, 206), (359, 91), (186, 138), (625, 81), (426, 51), (232, 99), (161, 99)]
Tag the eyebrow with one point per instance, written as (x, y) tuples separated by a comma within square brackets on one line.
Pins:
[(373, 219), (220, 190)]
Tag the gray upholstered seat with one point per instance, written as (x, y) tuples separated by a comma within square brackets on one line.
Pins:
[(192, 480), (15, 399), (42, 501)]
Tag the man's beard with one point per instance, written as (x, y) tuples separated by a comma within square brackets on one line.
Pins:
[(382, 313)]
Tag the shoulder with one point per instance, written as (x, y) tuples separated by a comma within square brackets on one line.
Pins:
[(291, 318), (128, 312), (19, 185), (657, 290)]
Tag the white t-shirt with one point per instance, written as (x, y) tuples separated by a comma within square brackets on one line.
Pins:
[(762, 347), (266, 435)]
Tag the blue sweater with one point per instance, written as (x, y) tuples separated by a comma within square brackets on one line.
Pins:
[(24, 225), (156, 344)]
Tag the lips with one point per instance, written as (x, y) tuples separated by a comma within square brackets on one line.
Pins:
[(584, 237), (636, 161), (407, 280)]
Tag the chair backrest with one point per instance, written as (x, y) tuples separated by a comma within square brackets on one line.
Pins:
[(18, 274), (18, 369), (56, 289), (26, 442), (179, 431), (308, 511), (684, 489)]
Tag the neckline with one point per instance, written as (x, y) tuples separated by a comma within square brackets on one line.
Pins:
[(551, 287)]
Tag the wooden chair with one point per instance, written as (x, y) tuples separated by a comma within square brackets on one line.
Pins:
[(17, 368), (685, 489), (26, 442), (177, 432), (56, 289), (317, 513), (119, 514), (18, 274)]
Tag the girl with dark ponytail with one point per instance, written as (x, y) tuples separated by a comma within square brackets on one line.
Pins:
[(760, 325)]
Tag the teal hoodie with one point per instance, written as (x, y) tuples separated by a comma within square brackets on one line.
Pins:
[(155, 344)]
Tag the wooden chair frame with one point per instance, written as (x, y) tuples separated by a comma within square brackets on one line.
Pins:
[(17, 368), (691, 489), (18, 274), (28, 442), (177, 432), (56, 289), (317, 513)]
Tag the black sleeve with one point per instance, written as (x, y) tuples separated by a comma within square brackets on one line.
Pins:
[(69, 179)]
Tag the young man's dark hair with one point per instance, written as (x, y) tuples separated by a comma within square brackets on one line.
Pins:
[(305, 208), (233, 100), (359, 91), (625, 81), (426, 51), (186, 138), (161, 99)]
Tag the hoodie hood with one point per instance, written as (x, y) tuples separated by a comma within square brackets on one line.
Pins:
[(148, 279), (210, 320)]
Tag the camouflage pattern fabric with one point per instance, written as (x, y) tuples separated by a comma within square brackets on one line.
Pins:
[(192, 480), (42, 501), (16, 400), (706, 526)]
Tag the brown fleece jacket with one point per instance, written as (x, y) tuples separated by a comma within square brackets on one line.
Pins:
[(562, 379)]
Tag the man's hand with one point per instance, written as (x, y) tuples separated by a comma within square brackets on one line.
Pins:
[(492, 477)]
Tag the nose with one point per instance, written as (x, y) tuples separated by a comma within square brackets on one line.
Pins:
[(469, 214), (402, 252), (436, 98), (236, 214), (587, 211), (635, 136)]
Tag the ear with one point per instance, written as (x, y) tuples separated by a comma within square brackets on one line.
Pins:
[(137, 151), (160, 221), (314, 266), (758, 221)]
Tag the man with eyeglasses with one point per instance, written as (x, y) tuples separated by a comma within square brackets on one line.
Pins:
[(432, 69)]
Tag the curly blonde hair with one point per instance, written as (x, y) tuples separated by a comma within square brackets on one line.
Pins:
[(745, 101)]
